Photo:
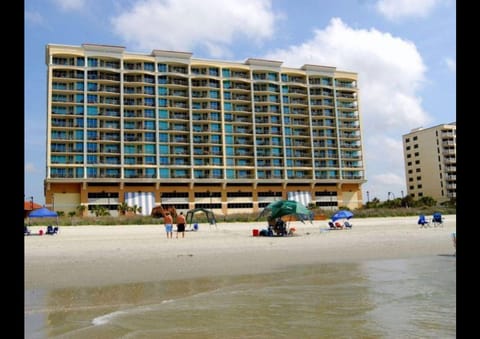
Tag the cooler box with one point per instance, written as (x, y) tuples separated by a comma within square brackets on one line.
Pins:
[(255, 232)]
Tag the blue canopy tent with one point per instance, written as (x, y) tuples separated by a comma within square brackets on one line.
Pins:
[(43, 213)]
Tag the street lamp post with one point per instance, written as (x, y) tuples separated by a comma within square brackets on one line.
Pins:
[(368, 197), (31, 203)]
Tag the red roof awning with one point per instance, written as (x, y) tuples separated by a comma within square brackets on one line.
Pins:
[(28, 206)]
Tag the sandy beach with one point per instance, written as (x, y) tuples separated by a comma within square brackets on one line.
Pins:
[(83, 256)]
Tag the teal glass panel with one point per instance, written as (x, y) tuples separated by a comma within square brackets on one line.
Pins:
[(79, 172), (164, 173)]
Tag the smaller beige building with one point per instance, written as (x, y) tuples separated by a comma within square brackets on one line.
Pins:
[(430, 162)]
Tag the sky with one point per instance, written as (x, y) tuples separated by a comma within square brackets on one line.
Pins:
[(404, 52)]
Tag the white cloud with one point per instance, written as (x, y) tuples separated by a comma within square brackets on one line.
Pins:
[(391, 72), (451, 64), (34, 18), (399, 9), (184, 25), (70, 5)]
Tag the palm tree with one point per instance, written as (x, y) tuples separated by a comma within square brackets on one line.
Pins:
[(136, 209), (81, 209), (71, 214), (100, 211), (123, 208)]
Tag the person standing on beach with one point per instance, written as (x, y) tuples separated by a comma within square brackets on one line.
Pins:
[(168, 220), (181, 224)]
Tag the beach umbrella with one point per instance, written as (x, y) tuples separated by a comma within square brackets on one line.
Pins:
[(280, 208), (342, 214)]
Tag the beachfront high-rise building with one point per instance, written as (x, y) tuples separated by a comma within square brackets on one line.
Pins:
[(430, 162), (168, 129)]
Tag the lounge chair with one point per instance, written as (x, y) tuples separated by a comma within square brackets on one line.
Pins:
[(422, 221), (51, 230), (280, 227), (346, 224), (336, 225), (26, 231), (437, 219)]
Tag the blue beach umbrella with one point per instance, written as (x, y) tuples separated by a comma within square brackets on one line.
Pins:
[(342, 214)]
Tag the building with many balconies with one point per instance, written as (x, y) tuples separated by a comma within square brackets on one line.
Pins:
[(168, 129)]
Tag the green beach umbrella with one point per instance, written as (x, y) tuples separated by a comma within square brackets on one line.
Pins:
[(280, 208)]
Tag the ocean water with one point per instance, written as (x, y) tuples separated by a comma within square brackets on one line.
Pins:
[(403, 298)]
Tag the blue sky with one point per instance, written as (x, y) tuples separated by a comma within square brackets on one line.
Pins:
[(404, 52)]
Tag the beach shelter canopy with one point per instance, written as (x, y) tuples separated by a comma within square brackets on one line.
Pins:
[(280, 208), (208, 213), (42, 213)]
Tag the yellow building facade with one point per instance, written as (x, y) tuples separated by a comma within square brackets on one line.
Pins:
[(168, 129), (430, 156)]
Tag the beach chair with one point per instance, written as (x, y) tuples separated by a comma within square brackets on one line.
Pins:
[(331, 225), (51, 230), (347, 224), (422, 221), (437, 219), (280, 227), (26, 231)]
